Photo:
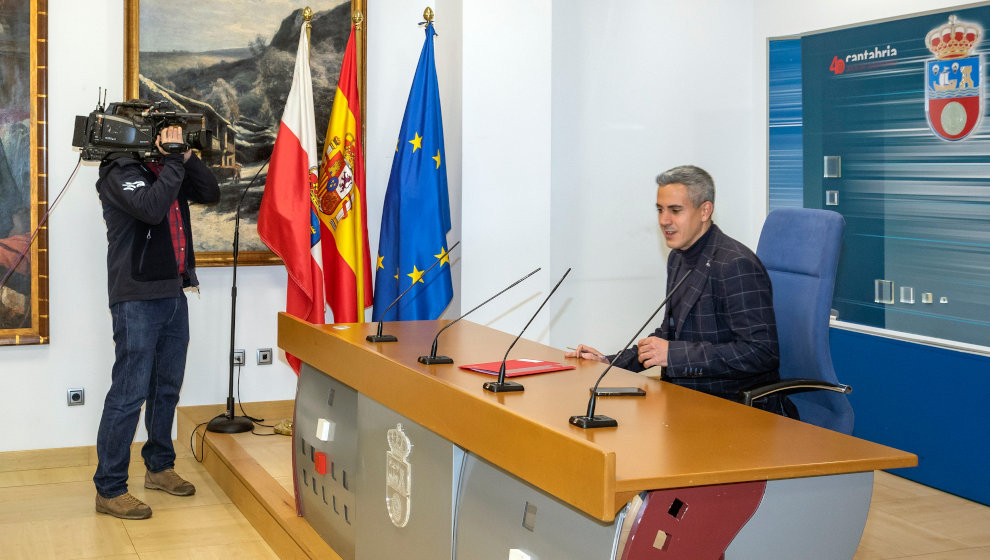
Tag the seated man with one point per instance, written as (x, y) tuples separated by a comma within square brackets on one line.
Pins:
[(718, 334)]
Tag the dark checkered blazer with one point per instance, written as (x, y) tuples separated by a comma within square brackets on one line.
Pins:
[(722, 333)]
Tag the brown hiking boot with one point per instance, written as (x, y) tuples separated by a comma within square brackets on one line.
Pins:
[(124, 506), (170, 482)]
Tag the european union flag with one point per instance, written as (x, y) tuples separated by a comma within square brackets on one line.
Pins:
[(416, 216)]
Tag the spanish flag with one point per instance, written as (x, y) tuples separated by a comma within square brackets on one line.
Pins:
[(339, 201)]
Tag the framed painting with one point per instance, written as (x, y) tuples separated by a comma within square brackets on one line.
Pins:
[(23, 172), (234, 66)]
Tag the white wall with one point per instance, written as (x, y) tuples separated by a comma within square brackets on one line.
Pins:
[(506, 152), (640, 87)]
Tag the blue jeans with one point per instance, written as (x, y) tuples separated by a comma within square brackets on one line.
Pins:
[(151, 340)]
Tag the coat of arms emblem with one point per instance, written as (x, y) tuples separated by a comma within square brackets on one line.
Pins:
[(398, 476), (332, 194), (954, 79)]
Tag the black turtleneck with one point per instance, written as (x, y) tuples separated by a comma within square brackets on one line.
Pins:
[(692, 253), (690, 257)]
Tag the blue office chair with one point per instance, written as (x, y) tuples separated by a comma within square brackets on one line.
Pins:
[(800, 249)]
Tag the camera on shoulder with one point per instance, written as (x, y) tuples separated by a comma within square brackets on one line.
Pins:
[(131, 127)]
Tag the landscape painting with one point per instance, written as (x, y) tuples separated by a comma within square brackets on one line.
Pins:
[(232, 61)]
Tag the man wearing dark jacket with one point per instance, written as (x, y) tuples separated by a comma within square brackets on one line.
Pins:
[(719, 333), (150, 261)]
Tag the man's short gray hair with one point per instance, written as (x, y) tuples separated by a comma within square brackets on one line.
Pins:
[(699, 183)]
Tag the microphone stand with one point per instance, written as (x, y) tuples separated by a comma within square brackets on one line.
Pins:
[(503, 386), (433, 358), (228, 423), (379, 337), (592, 420)]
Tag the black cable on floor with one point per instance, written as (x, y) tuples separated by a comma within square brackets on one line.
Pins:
[(202, 442)]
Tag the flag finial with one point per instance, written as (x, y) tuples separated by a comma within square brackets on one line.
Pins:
[(428, 14), (307, 14), (358, 19)]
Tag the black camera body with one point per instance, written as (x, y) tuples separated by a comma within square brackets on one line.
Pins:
[(132, 127)]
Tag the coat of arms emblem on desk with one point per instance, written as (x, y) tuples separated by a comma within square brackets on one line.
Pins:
[(398, 476)]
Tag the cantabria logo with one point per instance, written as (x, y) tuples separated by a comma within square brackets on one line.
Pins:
[(838, 65)]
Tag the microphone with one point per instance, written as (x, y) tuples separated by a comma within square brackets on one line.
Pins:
[(503, 386), (433, 358), (591, 420), (390, 338)]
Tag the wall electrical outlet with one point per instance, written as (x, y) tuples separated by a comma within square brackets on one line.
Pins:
[(75, 397), (239, 357), (264, 356)]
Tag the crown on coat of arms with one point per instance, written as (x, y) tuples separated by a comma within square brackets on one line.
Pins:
[(954, 39), (398, 442)]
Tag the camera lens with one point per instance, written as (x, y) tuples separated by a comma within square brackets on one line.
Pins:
[(201, 140)]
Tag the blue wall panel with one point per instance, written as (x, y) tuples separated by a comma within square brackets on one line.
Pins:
[(930, 401)]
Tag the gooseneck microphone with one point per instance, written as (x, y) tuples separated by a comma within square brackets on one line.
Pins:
[(433, 358), (591, 420), (379, 337), (503, 386)]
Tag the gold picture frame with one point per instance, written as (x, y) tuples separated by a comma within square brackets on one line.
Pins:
[(212, 227), (24, 172)]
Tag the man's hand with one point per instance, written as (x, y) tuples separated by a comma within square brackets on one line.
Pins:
[(173, 135), (652, 351), (587, 353)]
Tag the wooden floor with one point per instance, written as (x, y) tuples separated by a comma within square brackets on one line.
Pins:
[(46, 510)]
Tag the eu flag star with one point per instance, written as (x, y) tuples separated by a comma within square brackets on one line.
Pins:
[(381, 261), (443, 256), (437, 158), (416, 275), (417, 142)]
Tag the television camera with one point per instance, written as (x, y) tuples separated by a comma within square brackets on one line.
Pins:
[(131, 127)]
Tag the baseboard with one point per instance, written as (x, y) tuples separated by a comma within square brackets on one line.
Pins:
[(71, 456)]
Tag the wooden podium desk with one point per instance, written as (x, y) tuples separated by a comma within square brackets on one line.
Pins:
[(673, 438)]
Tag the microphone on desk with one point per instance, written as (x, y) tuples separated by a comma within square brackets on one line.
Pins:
[(591, 420), (433, 358), (379, 337), (503, 386)]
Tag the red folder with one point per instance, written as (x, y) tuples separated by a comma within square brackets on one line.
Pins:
[(517, 368)]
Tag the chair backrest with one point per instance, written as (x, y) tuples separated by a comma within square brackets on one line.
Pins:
[(800, 249)]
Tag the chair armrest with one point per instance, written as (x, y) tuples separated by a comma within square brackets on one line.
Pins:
[(790, 386)]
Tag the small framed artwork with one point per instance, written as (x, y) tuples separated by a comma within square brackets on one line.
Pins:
[(234, 66), (23, 172)]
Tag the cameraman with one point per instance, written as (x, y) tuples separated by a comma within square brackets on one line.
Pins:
[(149, 262)]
